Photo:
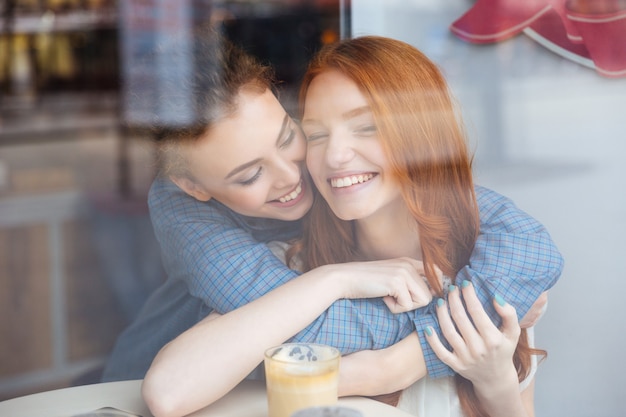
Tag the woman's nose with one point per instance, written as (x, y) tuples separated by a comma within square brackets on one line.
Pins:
[(288, 172), (338, 151)]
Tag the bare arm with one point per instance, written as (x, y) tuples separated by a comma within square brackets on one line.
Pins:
[(375, 372), (207, 361), (198, 238)]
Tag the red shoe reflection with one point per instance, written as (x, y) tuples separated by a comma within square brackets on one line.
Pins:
[(570, 29), (603, 30), (550, 32), (589, 32), (491, 21)]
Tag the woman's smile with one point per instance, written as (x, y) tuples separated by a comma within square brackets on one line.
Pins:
[(349, 180), (293, 197)]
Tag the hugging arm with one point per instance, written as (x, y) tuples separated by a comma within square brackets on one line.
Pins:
[(226, 267), (225, 264), (209, 359)]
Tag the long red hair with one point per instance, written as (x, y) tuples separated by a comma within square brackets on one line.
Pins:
[(424, 140)]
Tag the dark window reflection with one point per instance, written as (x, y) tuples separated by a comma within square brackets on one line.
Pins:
[(77, 251)]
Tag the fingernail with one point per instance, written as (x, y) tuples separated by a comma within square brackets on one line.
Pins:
[(465, 283), (439, 302), (451, 288), (500, 300), (429, 331)]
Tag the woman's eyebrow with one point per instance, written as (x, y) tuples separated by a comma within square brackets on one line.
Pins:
[(245, 166), (351, 114), (282, 129), (242, 167)]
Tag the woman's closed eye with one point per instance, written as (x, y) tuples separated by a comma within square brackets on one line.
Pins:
[(289, 140), (253, 179), (366, 130), (310, 137)]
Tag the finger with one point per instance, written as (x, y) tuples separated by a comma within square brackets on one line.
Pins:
[(399, 301), (396, 307), (449, 331), (440, 350), (536, 312), (510, 326), (413, 294), (439, 277), (391, 304), (461, 318), (420, 293), (410, 290), (476, 311)]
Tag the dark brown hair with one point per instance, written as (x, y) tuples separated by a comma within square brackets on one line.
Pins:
[(221, 70)]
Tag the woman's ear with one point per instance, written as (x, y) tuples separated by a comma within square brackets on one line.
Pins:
[(191, 188)]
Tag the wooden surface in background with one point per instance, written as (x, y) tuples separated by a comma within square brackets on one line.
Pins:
[(26, 342)]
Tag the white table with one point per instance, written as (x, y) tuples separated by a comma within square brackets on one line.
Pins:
[(248, 399)]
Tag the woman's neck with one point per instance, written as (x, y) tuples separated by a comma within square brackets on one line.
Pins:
[(386, 237)]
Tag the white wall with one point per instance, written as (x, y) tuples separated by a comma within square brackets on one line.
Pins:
[(551, 134)]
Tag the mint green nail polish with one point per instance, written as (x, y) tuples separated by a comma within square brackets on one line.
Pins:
[(429, 331), (451, 288), (439, 302), (500, 300), (465, 283)]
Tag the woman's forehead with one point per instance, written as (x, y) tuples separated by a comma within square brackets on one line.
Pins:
[(249, 133)]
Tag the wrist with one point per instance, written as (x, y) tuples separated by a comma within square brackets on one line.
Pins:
[(498, 386), (355, 377), (502, 398), (328, 279), (339, 278)]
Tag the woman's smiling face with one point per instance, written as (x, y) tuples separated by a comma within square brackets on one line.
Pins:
[(252, 161), (344, 152)]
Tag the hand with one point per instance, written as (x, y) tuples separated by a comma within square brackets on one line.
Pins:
[(481, 352), (400, 282), (536, 311)]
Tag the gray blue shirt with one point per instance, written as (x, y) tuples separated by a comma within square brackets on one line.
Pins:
[(216, 259)]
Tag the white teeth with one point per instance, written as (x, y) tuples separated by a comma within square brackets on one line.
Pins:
[(292, 194), (351, 180)]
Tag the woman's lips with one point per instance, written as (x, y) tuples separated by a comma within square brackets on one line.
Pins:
[(349, 180), (292, 195)]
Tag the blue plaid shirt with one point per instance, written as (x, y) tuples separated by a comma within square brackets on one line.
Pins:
[(217, 260)]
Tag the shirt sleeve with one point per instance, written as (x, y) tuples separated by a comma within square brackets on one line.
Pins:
[(514, 256), (225, 267)]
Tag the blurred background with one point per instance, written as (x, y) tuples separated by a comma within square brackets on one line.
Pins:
[(77, 252)]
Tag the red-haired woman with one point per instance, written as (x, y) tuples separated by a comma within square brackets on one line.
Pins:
[(387, 152)]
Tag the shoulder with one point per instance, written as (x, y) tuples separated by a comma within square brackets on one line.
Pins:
[(486, 196), (169, 204), (500, 213)]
